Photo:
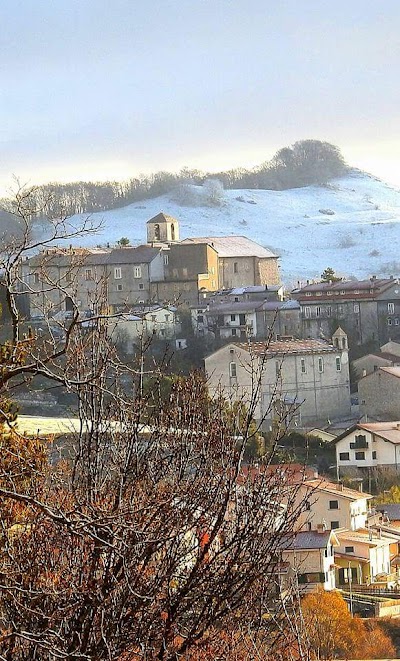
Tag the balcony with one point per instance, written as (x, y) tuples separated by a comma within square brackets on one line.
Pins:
[(359, 445)]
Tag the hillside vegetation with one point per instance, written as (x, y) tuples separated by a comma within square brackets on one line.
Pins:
[(306, 162)]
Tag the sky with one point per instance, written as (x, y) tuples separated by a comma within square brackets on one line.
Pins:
[(101, 89)]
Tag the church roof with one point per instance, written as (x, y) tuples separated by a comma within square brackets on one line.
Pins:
[(162, 218)]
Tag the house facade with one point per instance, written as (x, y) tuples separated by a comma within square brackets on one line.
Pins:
[(332, 505), (379, 394), (251, 318), (368, 445), (368, 310), (311, 557), (159, 322), (362, 557), (57, 279), (306, 380), (241, 261)]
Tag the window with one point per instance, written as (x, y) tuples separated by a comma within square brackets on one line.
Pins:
[(329, 311), (333, 504), (338, 364), (233, 332), (360, 456), (88, 274), (307, 312), (349, 549), (356, 308), (318, 310), (118, 273), (334, 525), (308, 505), (373, 454), (200, 319), (119, 287), (303, 365), (165, 260), (320, 365), (389, 321), (308, 293), (233, 317), (137, 272), (236, 299), (390, 308), (235, 267), (36, 278), (232, 370), (396, 321), (340, 310), (311, 577), (141, 285), (153, 317), (329, 293), (167, 317), (344, 456)]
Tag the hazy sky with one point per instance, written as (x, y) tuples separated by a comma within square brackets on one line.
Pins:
[(96, 89)]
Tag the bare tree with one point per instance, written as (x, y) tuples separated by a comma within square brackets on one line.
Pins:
[(150, 539)]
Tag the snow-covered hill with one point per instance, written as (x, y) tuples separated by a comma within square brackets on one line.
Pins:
[(360, 238)]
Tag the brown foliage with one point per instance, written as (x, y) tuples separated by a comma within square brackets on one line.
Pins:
[(333, 632)]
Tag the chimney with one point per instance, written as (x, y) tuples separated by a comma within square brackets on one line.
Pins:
[(364, 372), (321, 527), (397, 425), (340, 486)]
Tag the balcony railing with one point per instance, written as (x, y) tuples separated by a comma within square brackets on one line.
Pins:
[(359, 445)]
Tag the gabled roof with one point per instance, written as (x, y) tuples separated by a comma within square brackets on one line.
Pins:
[(279, 347), (362, 536), (352, 290), (254, 289), (162, 218), (335, 489), (391, 509), (234, 246), (309, 540), (129, 255), (389, 431), (383, 355), (393, 371)]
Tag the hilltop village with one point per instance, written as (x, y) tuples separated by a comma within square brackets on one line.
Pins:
[(224, 294)]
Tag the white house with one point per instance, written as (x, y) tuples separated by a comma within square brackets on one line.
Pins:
[(368, 445), (311, 556), (160, 322), (363, 553), (332, 505)]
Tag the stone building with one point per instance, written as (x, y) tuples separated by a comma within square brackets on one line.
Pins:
[(368, 310), (306, 380), (58, 279), (379, 394), (241, 261)]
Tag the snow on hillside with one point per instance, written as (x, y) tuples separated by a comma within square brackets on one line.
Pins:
[(360, 238)]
